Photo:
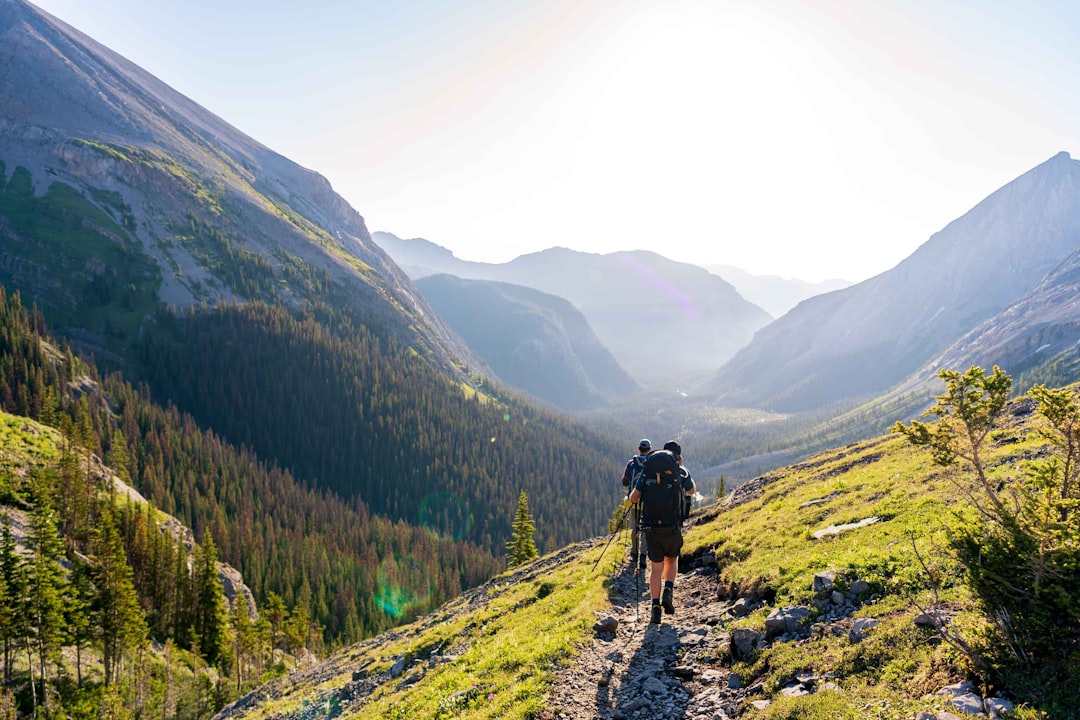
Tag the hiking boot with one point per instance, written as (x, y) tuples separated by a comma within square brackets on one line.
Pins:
[(667, 599), (654, 619)]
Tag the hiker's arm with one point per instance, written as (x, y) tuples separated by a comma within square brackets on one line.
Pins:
[(635, 496), (688, 485), (627, 474)]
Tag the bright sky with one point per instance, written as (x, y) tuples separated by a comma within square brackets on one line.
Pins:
[(805, 139)]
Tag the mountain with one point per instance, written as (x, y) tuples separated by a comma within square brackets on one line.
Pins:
[(235, 288), (667, 323), (1036, 339), (534, 341), (864, 339), (167, 202), (774, 294)]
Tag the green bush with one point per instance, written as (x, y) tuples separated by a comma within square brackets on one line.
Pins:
[(1019, 542)]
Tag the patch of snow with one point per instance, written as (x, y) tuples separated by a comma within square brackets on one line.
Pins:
[(1042, 347)]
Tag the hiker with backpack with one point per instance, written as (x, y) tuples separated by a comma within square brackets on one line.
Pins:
[(630, 477), (660, 491)]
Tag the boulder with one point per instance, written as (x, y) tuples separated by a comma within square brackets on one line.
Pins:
[(860, 627), (997, 707), (744, 641), (786, 620), (824, 582), (607, 625)]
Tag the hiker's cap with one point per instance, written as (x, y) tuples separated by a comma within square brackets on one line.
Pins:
[(644, 444)]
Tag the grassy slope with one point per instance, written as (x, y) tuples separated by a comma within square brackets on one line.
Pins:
[(510, 640), (508, 637)]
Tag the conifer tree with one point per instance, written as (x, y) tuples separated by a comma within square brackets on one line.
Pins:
[(13, 626), (117, 612), (77, 611), (521, 548), (45, 584), (211, 611)]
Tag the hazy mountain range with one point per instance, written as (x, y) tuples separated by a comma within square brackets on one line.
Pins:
[(534, 341), (775, 294), (668, 324)]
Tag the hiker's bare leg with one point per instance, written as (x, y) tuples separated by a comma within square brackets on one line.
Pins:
[(671, 568), (654, 579)]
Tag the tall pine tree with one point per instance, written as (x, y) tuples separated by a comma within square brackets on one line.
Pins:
[(117, 612)]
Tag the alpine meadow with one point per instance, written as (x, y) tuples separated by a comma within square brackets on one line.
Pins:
[(258, 462)]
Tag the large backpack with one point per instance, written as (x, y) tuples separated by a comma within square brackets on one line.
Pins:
[(687, 500), (661, 465), (661, 500), (636, 468)]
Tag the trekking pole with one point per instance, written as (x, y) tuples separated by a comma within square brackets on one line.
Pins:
[(618, 527)]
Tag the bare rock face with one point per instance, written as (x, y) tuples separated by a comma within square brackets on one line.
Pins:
[(868, 337), (76, 113)]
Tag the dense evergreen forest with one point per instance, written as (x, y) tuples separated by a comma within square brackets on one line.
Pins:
[(350, 412), (327, 570)]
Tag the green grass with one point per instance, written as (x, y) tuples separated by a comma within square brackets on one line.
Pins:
[(506, 645), (24, 446)]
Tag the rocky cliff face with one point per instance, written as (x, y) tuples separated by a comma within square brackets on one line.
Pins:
[(76, 113), (864, 339), (1037, 331)]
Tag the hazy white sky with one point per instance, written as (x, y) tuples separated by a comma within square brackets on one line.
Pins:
[(811, 139)]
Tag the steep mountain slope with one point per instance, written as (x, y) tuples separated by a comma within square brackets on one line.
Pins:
[(353, 571), (242, 290), (802, 595), (123, 161), (534, 341), (1036, 339), (772, 293), (667, 323), (864, 339)]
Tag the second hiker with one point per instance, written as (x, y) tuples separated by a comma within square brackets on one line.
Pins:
[(660, 490), (630, 477)]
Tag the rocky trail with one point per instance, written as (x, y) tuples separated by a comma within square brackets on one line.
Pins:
[(634, 670)]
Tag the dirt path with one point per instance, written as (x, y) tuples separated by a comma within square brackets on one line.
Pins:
[(678, 669)]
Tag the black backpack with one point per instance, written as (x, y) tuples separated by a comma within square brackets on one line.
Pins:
[(661, 500), (687, 500), (661, 465)]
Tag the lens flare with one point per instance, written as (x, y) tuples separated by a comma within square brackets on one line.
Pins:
[(403, 583), (446, 514)]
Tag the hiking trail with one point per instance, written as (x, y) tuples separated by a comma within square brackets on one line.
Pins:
[(678, 669)]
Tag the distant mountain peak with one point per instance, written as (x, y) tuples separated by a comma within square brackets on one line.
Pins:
[(865, 338)]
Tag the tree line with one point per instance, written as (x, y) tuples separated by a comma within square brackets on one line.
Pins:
[(320, 568)]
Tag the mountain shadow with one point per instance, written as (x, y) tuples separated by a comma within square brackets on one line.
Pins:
[(534, 341)]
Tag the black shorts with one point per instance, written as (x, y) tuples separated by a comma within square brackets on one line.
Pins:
[(663, 542)]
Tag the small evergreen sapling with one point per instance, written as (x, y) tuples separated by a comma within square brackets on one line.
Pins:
[(521, 548)]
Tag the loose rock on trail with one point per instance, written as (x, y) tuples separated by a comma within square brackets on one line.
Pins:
[(678, 669)]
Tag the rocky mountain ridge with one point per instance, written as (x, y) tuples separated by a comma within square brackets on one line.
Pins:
[(862, 340), (78, 114)]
